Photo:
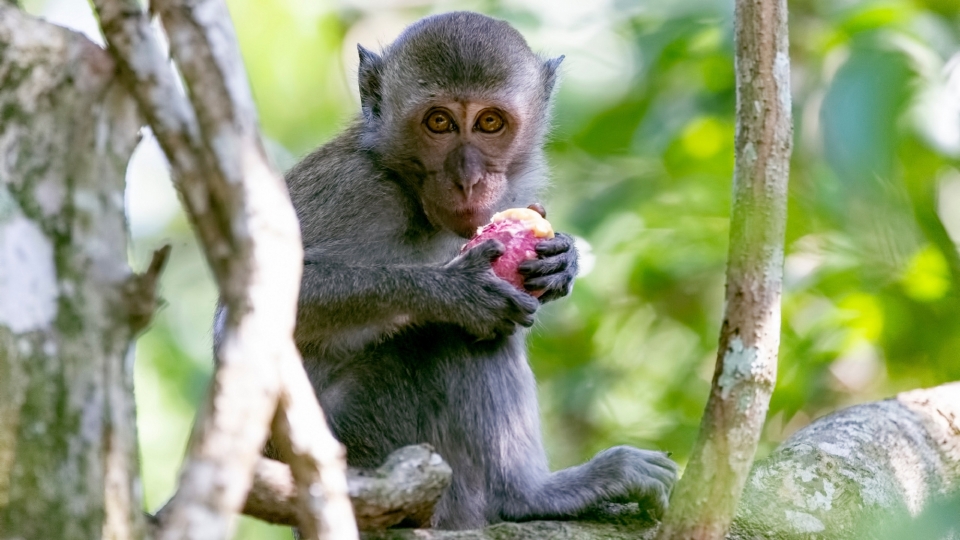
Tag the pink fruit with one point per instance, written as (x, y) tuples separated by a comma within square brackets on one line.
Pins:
[(520, 230)]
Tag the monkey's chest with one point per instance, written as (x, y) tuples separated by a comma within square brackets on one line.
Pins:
[(424, 385)]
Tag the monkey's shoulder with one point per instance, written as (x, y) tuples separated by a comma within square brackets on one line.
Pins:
[(332, 173), (339, 189), (352, 208)]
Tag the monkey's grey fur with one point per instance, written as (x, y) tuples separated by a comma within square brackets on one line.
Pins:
[(404, 339)]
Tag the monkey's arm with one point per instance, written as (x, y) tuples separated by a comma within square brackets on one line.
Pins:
[(554, 271), (343, 301)]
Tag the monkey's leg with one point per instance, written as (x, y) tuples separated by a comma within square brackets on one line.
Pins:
[(494, 411), (478, 409), (370, 401)]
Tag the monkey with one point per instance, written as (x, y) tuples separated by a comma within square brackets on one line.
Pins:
[(405, 339)]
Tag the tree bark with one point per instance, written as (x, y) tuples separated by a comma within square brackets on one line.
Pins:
[(69, 305), (705, 499)]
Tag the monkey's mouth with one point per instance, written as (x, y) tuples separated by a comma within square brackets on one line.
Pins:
[(474, 212), (466, 220)]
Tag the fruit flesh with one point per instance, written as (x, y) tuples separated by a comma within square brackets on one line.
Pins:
[(520, 230)]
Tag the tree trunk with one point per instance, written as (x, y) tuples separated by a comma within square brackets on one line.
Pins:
[(68, 457)]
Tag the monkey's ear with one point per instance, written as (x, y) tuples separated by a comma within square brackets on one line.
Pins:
[(550, 73), (368, 77)]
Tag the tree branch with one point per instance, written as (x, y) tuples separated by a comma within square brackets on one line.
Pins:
[(242, 214), (859, 471), (317, 460), (403, 490), (705, 499)]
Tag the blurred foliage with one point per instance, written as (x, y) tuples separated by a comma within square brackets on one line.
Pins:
[(642, 155)]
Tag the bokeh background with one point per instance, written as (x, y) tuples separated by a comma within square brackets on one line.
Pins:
[(642, 155)]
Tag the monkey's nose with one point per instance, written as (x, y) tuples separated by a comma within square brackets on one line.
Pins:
[(468, 168), (466, 184)]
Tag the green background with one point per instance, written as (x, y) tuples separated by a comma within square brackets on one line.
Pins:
[(642, 154)]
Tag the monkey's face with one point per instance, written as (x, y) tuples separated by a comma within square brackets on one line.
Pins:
[(466, 149)]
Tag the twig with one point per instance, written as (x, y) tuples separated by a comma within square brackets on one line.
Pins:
[(141, 291)]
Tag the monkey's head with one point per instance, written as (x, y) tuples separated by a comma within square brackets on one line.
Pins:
[(458, 106)]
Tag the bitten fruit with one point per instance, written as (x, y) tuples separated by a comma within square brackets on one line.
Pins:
[(520, 230)]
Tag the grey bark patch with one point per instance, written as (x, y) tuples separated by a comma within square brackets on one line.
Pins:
[(738, 362), (28, 283), (68, 455), (8, 205)]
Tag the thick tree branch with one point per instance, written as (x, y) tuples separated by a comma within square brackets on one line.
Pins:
[(704, 501), (241, 212), (857, 472), (403, 490)]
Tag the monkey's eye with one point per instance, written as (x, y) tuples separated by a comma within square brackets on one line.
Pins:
[(489, 122), (440, 122)]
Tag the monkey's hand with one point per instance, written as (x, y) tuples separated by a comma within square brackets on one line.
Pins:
[(554, 269), (482, 303), (631, 474)]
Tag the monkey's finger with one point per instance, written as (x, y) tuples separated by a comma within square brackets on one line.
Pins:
[(505, 328), (536, 285), (561, 243), (560, 281), (654, 495), (525, 306), (660, 500), (526, 322), (661, 461), (662, 474), (553, 285), (542, 267), (488, 250), (550, 296), (517, 318), (538, 208)]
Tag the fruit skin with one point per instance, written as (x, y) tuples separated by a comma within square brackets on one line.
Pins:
[(519, 230)]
